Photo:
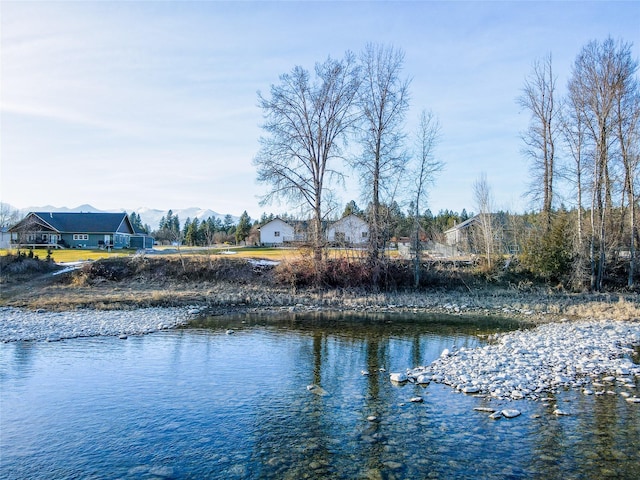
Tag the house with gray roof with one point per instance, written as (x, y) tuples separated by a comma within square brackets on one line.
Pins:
[(77, 230)]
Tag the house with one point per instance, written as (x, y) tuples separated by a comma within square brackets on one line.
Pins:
[(460, 235), (77, 230), (5, 238), (466, 236), (349, 230), (276, 232)]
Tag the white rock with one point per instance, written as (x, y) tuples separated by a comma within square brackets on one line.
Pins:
[(398, 377), (470, 389), (517, 395), (510, 413), (560, 413)]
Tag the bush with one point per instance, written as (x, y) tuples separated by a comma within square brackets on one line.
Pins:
[(24, 264), (186, 268), (548, 255)]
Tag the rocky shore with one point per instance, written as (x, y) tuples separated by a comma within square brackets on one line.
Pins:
[(27, 325), (593, 356)]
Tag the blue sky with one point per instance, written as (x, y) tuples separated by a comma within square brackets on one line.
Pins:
[(154, 104)]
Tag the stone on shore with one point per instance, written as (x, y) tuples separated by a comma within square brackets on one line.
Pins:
[(533, 363)]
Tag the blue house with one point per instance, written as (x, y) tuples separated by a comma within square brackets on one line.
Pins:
[(77, 230)]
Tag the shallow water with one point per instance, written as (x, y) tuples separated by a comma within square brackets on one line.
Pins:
[(202, 403)]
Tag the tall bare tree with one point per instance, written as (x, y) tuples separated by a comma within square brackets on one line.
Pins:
[(627, 111), (573, 133), (423, 175), (603, 79), (383, 102), (306, 121), (483, 199), (538, 97), (8, 215)]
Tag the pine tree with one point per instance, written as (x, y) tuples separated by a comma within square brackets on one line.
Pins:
[(244, 227)]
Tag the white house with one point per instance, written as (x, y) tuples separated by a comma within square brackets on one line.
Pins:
[(276, 232), (350, 230), (5, 238)]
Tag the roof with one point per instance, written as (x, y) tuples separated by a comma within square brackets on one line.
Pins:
[(464, 224), (73, 222), (351, 218)]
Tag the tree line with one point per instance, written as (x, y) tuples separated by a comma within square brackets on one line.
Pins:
[(589, 141), (215, 230), (196, 232)]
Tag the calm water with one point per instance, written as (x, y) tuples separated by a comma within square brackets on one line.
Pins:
[(200, 403)]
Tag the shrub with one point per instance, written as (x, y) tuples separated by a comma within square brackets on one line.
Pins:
[(24, 264), (549, 255)]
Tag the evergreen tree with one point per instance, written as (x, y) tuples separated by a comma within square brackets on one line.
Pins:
[(351, 209), (191, 234), (244, 227), (228, 223), (185, 230)]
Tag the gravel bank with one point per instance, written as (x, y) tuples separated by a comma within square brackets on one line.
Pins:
[(591, 355), (18, 324)]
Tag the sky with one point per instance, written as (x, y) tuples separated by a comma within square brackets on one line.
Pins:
[(132, 104)]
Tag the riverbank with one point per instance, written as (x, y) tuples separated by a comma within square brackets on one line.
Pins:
[(220, 286), (50, 309), (218, 298)]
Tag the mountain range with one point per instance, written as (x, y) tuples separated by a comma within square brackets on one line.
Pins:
[(148, 216)]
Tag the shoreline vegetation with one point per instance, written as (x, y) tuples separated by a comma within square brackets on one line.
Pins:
[(223, 285)]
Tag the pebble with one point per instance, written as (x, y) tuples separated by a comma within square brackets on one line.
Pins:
[(533, 363), (27, 325)]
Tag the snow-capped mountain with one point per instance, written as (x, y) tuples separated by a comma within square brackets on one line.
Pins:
[(152, 216)]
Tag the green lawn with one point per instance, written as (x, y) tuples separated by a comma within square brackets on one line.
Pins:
[(73, 254), (269, 253)]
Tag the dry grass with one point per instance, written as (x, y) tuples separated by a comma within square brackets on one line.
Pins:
[(227, 283), (622, 309)]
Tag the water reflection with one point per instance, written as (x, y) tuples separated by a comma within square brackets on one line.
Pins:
[(198, 403)]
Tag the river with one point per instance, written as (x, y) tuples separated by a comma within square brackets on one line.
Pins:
[(231, 399)]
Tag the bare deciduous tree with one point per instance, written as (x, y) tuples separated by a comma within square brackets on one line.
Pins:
[(383, 101), (423, 174), (306, 120), (8, 215), (538, 97), (484, 203), (627, 119), (602, 81)]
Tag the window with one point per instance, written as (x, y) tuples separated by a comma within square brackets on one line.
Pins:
[(276, 234), (365, 234), (80, 236)]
